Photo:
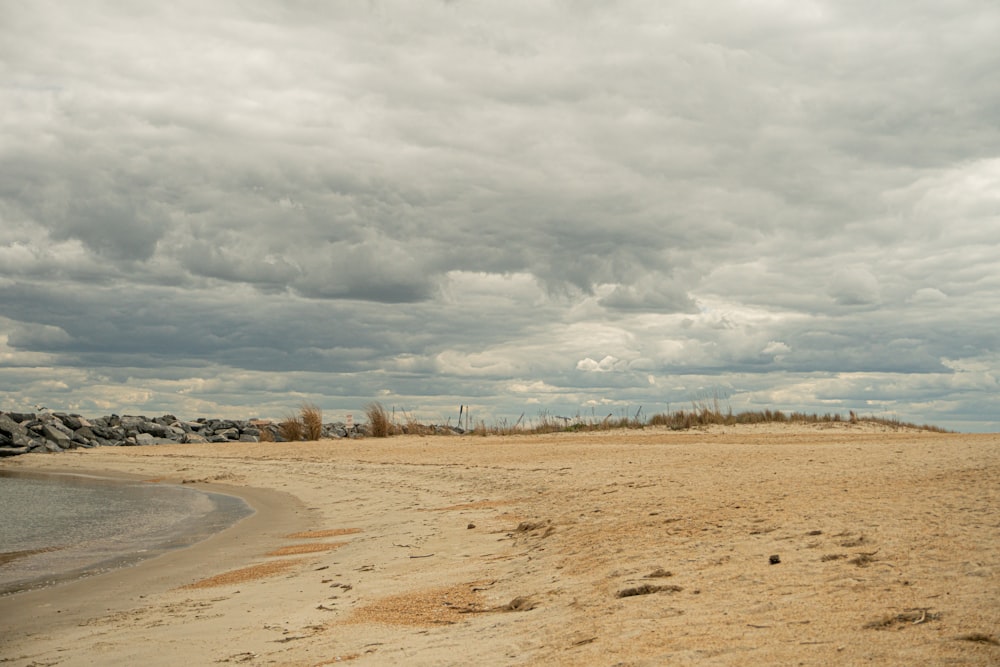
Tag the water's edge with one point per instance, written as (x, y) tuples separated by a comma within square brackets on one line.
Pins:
[(226, 510)]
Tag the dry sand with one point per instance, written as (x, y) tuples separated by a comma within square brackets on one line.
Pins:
[(613, 548)]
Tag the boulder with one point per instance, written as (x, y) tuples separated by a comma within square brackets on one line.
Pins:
[(14, 433), (72, 422), (57, 436)]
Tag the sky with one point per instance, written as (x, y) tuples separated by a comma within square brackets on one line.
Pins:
[(538, 208)]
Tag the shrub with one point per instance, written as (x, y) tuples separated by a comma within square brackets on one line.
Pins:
[(312, 421), (291, 428), (378, 420)]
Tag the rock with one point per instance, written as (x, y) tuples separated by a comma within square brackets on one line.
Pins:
[(72, 422), (13, 451), (194, 437), (56, 435), (246, 437), (14, 432), (145, 439), (188, 427), (231, 433)]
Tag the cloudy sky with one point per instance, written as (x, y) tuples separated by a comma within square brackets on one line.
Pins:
[(541, 207)]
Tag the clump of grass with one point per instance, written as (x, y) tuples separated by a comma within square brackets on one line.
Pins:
[(311, 418), (379, 424), (291, 428), (266, 434)]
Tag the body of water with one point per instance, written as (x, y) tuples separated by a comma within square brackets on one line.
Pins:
[(58, 527)]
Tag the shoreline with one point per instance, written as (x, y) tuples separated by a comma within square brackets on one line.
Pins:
[(127, 546), (70, 602)]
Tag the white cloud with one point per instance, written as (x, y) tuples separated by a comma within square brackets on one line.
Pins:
[(785, 199)]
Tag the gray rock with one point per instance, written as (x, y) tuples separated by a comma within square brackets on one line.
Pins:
[(14, 432), (246, 437), (232, 433), (84, 433), (56, 435), (194, 438), (144, 439), (53, 422), (72, 422), (134, 425), (13, 451)]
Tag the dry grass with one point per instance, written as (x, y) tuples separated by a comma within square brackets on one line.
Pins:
[(379, 425), (251, 573), (291, 428), (297, 549), (312, 421)]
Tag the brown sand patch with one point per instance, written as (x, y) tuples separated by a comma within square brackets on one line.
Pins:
[(435, 606), (333, 532), (259, 571), (295, 549)]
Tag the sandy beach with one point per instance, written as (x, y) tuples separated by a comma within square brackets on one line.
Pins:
[(775, 544)]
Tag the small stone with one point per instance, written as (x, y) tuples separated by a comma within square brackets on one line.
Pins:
[(774, 559), (471, 526)]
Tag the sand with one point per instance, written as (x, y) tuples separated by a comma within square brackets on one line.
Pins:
[(810, 545)]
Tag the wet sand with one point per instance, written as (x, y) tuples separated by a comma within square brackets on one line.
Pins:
[(749, 545)]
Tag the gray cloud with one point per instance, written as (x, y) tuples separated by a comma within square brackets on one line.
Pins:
[(554, 206)]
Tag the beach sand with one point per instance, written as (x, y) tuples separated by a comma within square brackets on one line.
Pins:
[(644, 547)]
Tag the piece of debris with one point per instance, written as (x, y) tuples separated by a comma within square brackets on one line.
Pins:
[(470, 526), (774, 559), (914, 616), (647, 589), (979, 637), (659, 573), (519, 604), (864, 559), (528, 526)]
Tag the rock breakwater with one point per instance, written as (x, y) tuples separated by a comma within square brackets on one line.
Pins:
[(22, 433)]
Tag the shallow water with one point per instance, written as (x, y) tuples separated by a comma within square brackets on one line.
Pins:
[(58, 527)]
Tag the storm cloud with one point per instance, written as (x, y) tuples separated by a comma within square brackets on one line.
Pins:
[(566, 207)]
